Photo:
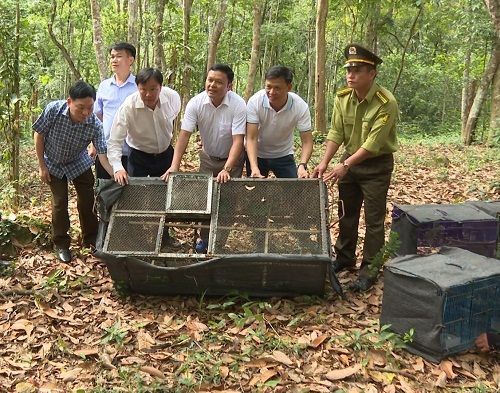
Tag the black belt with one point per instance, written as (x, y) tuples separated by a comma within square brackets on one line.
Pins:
[(152, 154), (218, 158)]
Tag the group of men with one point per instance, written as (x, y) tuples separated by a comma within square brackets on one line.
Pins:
[(134, 139)]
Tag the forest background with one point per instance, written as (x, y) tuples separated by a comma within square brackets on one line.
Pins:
[(440, 56)]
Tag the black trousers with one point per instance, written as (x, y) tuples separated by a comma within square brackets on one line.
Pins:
[(141, 164)]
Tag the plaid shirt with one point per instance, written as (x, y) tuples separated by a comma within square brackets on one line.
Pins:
[(65, 150)]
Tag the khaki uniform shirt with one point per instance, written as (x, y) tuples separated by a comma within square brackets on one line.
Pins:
[(370, 124)]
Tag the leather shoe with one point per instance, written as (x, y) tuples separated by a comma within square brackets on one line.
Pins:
[(64, 254), (362, 284), (338, 266)]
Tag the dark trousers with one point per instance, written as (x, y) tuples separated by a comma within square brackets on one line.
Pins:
[(101, 173), (84, 186), (282, 167), (367, 182), (141, 164)]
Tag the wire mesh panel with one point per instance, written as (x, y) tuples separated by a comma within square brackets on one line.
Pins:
[(143, 197), (134, 234), (279, 216), (189, 193)]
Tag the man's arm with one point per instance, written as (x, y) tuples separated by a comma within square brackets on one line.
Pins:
[(180, 149), (340, 170), (331, 150), (103, 159), (117, 136), (252, 137), (40, 148), (305, 154), (232, 159)]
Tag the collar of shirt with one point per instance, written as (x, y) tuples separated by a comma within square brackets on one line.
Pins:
[(369, 95), (288, 105), (208, 100), (130, 79)]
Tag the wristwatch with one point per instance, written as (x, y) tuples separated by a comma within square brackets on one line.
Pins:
[(304, 164), (345, 165), (228, 169)]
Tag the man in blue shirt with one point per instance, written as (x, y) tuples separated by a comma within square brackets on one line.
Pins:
[(112, 92), (64, 130)]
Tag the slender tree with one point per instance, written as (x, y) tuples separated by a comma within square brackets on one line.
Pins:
[(494, 133), (216, 33), (102, 65), (319, 95), (258, 7), (159, 54)]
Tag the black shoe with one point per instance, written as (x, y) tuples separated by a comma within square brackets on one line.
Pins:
[(64, 254), (338, 266), (362, 284)]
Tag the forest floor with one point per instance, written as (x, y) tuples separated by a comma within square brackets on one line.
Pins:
[(73, 332)]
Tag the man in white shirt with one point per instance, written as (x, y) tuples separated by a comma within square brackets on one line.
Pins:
[(113, 91), (145, 121), (272, 116), (220, 115)]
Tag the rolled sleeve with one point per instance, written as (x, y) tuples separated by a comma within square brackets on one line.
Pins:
[(252, 110), (116, 139), (336, 133), (190, 118), (239, 124), (381, 128)]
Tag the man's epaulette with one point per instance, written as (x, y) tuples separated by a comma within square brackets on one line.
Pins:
[(382, 97), (344, 91)]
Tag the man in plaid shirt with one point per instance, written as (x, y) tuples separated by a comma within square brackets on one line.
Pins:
[(64, 130)]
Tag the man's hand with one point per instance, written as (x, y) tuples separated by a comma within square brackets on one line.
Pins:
[(256, 174), (44, 174), (482, 343), (338, 172), (170, 170), (302, 172), (223, 176), (319, 170), (92, 151), (121, 177)]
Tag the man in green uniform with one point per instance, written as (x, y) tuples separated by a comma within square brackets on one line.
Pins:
[(364, 121)]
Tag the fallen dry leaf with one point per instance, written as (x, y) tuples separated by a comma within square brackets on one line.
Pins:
[(496, 375), (154, 372), (70, 375), (405, 385), (447, 367), (50, 387), (224, 371), (318, 341), (282, 358), (441, 380), (342, 373), (478, 371), (418, 364), (86, 352)]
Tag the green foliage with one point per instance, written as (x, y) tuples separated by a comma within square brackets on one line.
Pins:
[(384, 339), (115, 334), (386, 252)]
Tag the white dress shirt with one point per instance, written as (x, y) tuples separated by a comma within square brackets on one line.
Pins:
[(144, 129), (276, 129), (217, 125)]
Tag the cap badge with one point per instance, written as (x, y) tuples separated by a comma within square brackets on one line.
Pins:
[(352, 50)]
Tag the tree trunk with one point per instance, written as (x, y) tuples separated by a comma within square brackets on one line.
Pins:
[(64, 51), (159, 54), (16, 129), (466, 85), (310, 52), (371, 38), (186, 72), (216, 33), (480, 97), (133, 16), (258, 7), (493, 7), (319, 93), (102, 64)]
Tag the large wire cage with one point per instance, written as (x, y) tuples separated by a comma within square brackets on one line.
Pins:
[(264, 236)]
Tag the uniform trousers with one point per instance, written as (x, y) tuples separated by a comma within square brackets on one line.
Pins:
[(367, 182), (84, 186)]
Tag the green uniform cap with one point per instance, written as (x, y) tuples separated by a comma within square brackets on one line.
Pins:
[(356, 55)]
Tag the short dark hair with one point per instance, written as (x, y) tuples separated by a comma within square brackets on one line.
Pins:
[(225, 69), (129, 48), (147, 73), (81, 89), (280, 72)]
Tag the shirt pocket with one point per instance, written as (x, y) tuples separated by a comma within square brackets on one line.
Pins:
[(225, 133), (348, 122), (366, 126)]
